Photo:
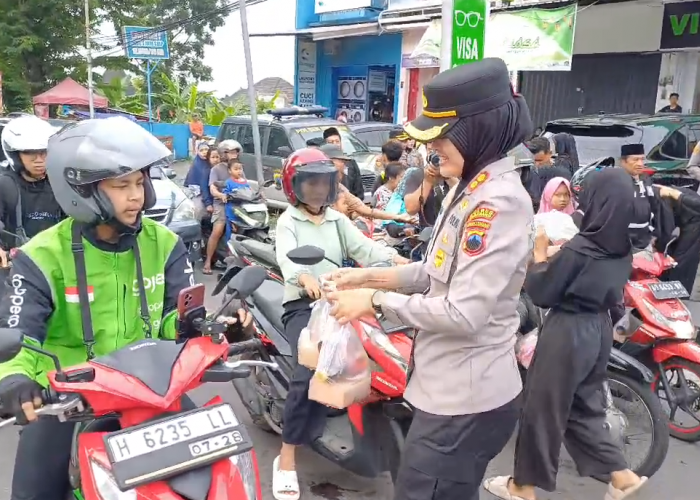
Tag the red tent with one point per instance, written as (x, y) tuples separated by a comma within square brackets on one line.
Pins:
[(70, 92)]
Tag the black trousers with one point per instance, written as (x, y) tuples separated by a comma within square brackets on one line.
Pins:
[(303, 418), (43, 457), (445, 457), (564, 401)]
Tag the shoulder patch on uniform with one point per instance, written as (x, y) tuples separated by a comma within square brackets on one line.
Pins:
[(476, 229), (480, 179), (474, 242), (482, 213)]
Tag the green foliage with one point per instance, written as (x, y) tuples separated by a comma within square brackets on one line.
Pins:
[(117, 93)]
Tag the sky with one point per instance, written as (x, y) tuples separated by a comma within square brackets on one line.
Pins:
[(272, 56)]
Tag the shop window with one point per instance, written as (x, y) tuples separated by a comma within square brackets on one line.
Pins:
[(278, 144), (677, 146)]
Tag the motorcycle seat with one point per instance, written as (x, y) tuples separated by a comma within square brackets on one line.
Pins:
[(694, 309), (263, 252), (268, 298)]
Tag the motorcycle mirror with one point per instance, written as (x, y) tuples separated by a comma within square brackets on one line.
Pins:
[(269, 183), (224, 279), (306, 255), (170, 173), (10, 343), (246, 281), (425, 235)]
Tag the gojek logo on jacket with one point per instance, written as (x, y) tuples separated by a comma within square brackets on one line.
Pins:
[(149, 284), (16, 300)]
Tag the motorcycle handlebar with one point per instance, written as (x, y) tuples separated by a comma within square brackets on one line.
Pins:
[(252, 345), (59, 408)]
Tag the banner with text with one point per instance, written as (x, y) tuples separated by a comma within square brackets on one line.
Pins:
[(306, 73), (533, 39)]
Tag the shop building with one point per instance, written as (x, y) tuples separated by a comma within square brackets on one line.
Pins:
[(357, 57)]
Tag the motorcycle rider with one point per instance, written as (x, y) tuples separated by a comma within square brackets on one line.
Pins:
[(229, 150), (310, 184), (27, 202), (104, 262)]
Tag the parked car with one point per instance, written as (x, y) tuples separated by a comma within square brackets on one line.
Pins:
[(373, 134), (285, 130), (668, 140)]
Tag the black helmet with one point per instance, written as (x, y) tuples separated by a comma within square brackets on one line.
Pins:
[(91, 151)]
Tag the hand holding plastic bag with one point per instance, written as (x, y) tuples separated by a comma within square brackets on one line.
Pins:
[(558, 225), (525, 348), (343, 374)]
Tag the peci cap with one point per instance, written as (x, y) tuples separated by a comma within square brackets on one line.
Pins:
[(398, 134), (632, 149), (333, 152), (460, 92)]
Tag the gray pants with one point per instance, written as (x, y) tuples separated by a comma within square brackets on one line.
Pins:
[(564, 401)]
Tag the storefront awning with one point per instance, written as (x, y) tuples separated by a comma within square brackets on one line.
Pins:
[(328, 32)]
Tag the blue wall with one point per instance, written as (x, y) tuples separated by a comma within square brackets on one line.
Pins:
[(353, 58), (180, 132), (305, 14)]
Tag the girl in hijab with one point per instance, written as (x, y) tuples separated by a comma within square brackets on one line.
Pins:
[(563, 399), (463, 379), (198, 176), (557, 196)]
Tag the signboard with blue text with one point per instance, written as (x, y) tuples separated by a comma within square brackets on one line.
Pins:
[(145, 43), (306, 73), (326, 6)]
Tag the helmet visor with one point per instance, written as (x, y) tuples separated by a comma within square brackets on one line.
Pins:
[(316, 187), (83, 177)]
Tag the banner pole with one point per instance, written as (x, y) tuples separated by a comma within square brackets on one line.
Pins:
[(446, 38)]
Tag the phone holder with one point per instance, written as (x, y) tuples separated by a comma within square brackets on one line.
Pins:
[(191, 324)]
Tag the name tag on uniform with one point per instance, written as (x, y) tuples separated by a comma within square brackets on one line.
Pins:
[(453, 221)]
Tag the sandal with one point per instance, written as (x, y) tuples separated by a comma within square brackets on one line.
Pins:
[(285, 484), (498, 487), (615, 494), (206, 271)]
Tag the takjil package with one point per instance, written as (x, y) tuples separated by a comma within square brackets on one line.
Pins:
[(312, 336), (525, 348), (343, 375)]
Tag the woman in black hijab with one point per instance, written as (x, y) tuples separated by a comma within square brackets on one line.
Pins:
[(567, 155), (563, 399)]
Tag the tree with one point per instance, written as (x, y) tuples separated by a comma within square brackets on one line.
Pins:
[(190, 25), (39, 46), (117, 93)]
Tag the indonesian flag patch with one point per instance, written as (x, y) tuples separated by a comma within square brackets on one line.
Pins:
[(73, 297)]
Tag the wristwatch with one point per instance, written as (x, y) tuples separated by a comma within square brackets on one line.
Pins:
[(377, 301)]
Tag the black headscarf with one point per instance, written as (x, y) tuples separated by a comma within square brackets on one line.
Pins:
[(607, 203), (487, 137), (565, 147)]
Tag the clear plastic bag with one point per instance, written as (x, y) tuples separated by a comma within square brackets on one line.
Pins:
[(343, 375), (312, 336), (559, 226), (525, 348)]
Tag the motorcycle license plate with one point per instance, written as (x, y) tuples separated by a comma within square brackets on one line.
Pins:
[(159, 450), (668, 290), (254, 207)]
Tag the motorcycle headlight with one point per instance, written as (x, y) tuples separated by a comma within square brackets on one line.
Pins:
[(106, 486), (185, 212), (379, 338), (684, 329)]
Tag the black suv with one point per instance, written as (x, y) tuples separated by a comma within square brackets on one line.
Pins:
[(285, 130)]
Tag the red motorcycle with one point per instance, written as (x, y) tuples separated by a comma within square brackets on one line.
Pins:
[(136, 437), (365, 439), (661, 334)]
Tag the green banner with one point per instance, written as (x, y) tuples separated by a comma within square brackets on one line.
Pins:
[(469, 30), (533, 39)]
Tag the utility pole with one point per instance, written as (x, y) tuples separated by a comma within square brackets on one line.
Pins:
[(446, 39), (251, 94), (91, 99)]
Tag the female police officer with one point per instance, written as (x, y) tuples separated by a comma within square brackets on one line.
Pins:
[(464, 382)]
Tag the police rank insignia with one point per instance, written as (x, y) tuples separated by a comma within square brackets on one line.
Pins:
[(439, 258), (480, 179)]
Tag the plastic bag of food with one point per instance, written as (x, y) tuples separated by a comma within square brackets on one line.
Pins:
[(311, 337), (343, 374), (558, 225), (525, 348)]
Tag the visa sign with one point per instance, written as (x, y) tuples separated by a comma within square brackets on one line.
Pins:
[(681, 26)]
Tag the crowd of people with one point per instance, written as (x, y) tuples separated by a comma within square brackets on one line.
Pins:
[(72, 201)]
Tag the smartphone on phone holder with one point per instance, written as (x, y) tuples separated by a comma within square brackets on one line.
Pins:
[(192, 315)]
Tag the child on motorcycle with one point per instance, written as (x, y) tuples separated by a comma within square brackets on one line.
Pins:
[(310, 184)]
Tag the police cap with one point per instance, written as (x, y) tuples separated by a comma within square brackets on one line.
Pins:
[(464, 91)]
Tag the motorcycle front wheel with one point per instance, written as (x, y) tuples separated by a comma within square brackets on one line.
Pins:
[(633, 415), (683, 379)]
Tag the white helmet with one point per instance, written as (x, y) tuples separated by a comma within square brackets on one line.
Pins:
[(26, 133), (229, 145)]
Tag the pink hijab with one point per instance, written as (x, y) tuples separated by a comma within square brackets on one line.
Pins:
[(549, 190)]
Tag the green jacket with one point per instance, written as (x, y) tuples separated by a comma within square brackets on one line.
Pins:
[(41, 297)]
